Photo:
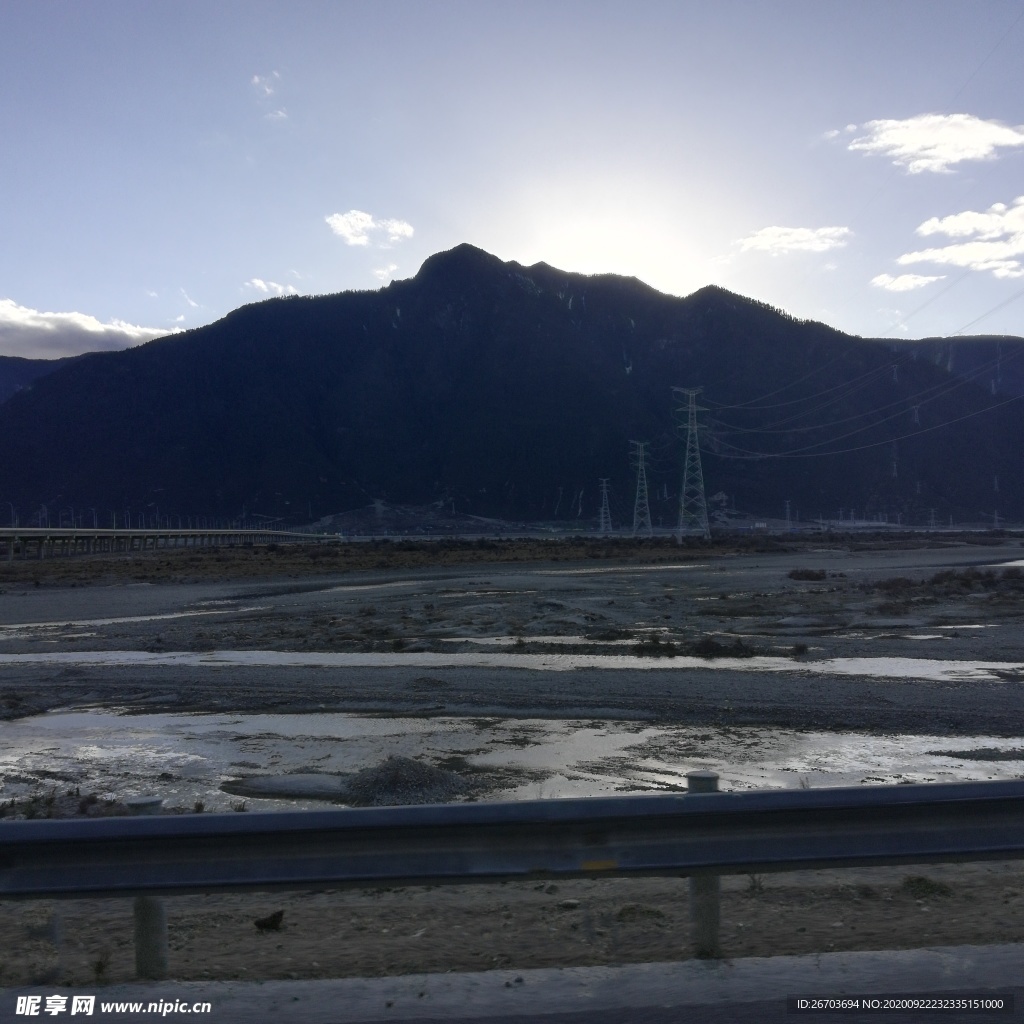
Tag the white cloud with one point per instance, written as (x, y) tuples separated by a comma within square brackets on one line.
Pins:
[(904, 282), (994, 240), (359, 228), (935, 142), (265, 85), (190, 301), (277, 115), (271, 287), (383, 273), (354, 226), (39, 335), (396, 229), (778, 240)]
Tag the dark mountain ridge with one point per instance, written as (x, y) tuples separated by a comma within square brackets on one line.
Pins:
[(17, 373), (505, 390)]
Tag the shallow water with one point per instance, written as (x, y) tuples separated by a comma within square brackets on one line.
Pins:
[(185, 758), (25, 630), (892, 668)]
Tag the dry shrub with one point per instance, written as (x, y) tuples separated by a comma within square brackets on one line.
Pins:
[(811, 575)]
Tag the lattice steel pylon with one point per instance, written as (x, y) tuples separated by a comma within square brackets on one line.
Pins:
[(693, 509), (641, 508), (604, 517)]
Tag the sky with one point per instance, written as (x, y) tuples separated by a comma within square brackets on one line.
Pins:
[(161, 164)]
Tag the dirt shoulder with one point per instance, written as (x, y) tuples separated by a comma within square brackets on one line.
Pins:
[(520, 925)]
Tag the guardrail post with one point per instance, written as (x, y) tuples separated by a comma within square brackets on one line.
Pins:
[(150, 938), (151, 959), (705, 886)]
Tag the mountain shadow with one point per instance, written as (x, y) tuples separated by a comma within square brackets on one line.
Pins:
[(504, 390)]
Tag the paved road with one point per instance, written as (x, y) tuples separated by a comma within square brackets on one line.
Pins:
[(751, 991)]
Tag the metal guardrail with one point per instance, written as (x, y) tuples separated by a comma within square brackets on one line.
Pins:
[(717, 833), (701, 834)]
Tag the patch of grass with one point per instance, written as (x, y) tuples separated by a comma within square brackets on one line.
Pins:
[(893, 608), (607, 633), (811, 575), (895, 585), (964, 580), (922, 888), (653, 646), (101, 966), (638, 912), (709, 647)]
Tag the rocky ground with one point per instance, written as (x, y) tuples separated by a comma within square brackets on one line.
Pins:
[(677, 614), (807, 603)]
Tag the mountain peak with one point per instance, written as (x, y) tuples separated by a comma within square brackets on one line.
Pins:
[(463, 258), (717, 293)]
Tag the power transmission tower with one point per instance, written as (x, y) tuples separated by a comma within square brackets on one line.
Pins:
[(604, 517), (641, 508), (693, 509)]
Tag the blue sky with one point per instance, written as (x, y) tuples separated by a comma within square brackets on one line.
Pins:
[(163, 163)]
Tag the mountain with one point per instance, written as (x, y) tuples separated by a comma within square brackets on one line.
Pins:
[(503, 390), (993, 361), (17, 373)]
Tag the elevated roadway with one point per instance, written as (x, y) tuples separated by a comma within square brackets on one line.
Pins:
[(48, 542)]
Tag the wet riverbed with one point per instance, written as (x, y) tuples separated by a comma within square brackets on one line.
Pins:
[(186, 758)]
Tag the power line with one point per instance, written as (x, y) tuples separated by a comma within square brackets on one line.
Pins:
[(913, 402), (803, 453), (924, 305), (895, 170), (994, 309)]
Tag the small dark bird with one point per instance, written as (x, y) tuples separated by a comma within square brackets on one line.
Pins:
[(270, 923)]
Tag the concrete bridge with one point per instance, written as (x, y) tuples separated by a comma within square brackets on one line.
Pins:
[(28, 542)]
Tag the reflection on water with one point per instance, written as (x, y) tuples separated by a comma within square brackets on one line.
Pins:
[(892, 668), (186, 757), (25, 630)]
